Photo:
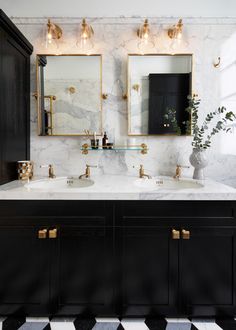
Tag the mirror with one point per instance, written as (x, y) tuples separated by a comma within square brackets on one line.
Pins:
[(69, 94), (158, 87)]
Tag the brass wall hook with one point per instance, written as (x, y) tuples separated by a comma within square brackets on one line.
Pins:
[(217, 64), (104, 96)]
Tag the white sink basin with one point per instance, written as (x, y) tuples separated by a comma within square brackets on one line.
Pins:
[(60, 183), (166, 183)]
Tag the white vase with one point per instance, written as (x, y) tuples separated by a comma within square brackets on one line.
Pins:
[(198, 159)]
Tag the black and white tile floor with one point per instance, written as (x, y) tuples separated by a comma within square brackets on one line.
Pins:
[(43, 323)]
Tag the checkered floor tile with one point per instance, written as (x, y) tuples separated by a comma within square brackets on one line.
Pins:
[(76, 323)]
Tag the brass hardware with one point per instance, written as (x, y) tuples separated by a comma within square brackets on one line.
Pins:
[(35, 95), (176, 31), (42, 233), (72, 90), (144, 149), (217, 64), (144, 31), (136, 87), (53, 233), (185, 234), (85, 147), (178, 171), (175, 234), (51, 174), (86, 30), (142, 173), (54, 31), (124, 96), (104, 96), (87, 171)]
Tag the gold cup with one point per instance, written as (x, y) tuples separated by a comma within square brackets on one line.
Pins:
[(25, 169)]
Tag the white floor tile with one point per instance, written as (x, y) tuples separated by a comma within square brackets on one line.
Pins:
[(107, 319), (37, 319), (179, 320), (205, 325), (134, 324), (62, 326)]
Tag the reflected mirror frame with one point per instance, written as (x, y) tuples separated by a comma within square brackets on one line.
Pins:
[(129, 90), (39, 115)]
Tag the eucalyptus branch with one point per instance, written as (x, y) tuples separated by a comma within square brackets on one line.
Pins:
[(201, 142)]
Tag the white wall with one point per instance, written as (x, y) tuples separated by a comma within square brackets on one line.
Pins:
[(109, 8)]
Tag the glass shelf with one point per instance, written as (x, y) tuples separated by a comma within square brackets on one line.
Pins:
[(142, 148)]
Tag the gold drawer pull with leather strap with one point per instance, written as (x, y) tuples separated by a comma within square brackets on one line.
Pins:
[(53, 233), (185, 234), (42, 233), (175, 234)]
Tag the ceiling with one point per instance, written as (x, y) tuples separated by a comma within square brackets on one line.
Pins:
[(111, 8)]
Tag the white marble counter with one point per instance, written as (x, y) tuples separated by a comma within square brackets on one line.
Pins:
[(118, 187)]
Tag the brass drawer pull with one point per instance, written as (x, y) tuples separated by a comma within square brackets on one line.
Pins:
[(185, 234), (175, 234), (53, 233), (42, 233)]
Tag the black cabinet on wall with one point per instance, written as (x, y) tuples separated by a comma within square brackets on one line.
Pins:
[(15, 51)]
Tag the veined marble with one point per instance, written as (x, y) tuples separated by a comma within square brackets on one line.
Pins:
[(114, 39), (119, 187)]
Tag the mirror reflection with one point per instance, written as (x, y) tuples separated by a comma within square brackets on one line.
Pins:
[(69, 94), (158, 90)]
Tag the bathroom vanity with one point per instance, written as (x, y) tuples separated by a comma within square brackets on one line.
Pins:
[(139, 253)]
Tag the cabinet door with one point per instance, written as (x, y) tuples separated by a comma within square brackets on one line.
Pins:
[(207, 271), (148, 271), (24, 271), (84, 270)]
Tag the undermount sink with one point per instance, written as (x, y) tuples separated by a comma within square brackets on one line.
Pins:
[(166, 183), (60, 183)]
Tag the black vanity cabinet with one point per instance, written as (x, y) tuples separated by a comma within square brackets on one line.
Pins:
[(84, 268), (118, 258), (25, 267), (207, 271), (15, 51)]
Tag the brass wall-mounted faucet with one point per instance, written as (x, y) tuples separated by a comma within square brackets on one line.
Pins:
[(51, 174), (142, 173)]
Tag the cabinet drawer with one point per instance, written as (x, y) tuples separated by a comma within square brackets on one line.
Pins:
[(152, 213)]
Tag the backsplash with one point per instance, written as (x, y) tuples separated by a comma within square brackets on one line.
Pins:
[(114, 39)]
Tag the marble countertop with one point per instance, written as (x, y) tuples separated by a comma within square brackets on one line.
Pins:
[(118, 187)]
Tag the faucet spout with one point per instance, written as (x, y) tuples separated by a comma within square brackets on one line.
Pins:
[(142, 173)]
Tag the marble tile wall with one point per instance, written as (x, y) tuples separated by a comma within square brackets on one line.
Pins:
[(114, 39)]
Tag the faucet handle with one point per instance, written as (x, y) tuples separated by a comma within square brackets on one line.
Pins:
[(182, 166), (93, 166), (50, 170)]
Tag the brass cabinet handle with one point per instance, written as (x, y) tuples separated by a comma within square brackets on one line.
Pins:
[(53, 233), (185, 234), (175, 234), (42, 233)]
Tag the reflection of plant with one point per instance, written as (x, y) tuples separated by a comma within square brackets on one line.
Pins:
[(170, 116), (200, 141)]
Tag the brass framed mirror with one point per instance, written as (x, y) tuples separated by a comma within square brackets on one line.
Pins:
[(69, 94), (158, 90)]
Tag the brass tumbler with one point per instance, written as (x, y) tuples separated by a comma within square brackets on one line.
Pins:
[(25, 169)]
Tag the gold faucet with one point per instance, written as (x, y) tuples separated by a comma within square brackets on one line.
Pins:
[(87, 172), (178, 171), (51, 174), (142, 174)]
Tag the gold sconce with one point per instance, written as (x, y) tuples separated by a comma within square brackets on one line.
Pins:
[(86, 36), (176, 31), (146, 39), (54, 32)]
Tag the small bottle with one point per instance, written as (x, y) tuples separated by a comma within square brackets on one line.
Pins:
[(104, 141)]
